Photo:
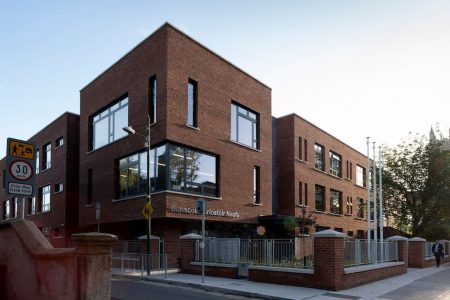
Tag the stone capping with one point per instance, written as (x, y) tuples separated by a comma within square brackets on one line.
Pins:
[(364, 268), (208, 264), (396, 238), (94, 243), (417, 239), (329, 233), (281, 269)]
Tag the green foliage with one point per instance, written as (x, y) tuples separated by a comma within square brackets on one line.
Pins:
[(416, 180)]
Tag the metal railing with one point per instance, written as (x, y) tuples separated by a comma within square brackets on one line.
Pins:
[(428, 246), (356, 252), (290, 253), (123, 263)]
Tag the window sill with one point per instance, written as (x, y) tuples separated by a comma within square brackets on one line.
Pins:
[(59, 147), (256, 204), (348, 179), (167, 191), (334, 176), (361, 187), (104, 146), (192, 127), (301, 205), (89, 205), (336, 215), (360, 219), (153, 124), (245, 146), (348, 215), (301, 161), (58, 192), (320, 212), (45, 170)]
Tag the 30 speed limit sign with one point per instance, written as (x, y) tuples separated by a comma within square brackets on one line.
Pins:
[(21, 170)]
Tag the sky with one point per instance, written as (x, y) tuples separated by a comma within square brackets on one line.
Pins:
[(353, 68)]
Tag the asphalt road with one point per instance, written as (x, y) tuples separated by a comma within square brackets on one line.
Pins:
[(123, 289)]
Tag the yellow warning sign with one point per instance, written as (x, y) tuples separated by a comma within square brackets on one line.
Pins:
[(147, 210), (21, 149)]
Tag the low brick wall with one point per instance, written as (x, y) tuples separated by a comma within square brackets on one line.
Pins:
[(357, 276), (216, 270), (282, 276)]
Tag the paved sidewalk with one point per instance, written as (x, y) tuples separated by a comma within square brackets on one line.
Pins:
[(391, 288)]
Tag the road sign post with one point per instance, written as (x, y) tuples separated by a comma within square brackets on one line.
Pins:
[(201, 208), (20, 162)]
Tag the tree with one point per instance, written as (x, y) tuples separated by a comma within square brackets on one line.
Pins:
[(416, 180)]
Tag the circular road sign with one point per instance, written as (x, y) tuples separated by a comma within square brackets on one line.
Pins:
[(21, 170)]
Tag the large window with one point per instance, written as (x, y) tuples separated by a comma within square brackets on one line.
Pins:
[(31, 206), (107, 125), (244, 126), (45, 198), (192, 103), (335, 202), (360, 213), (319, 157), (320, 198), (37, 162), (360, 176), (335, 164), (152, 104), (172, 167), (256, 184), (47, 157)]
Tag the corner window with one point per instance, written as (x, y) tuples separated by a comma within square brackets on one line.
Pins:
[(47, 157), (335, 202), (59, 142), (59, 187), (319, 157), (106, 126), (256, 185), (152, 104), (320, 198), (192, 103), (44, 194), (244, 126), (335, 164), (360, 176), (133, 175)]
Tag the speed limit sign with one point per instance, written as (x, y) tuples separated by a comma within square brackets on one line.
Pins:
[(21, 170)]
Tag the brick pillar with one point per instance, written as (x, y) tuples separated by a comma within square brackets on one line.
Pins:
[(416, 252), (187, 255), (329, 259), (402, 244), (93, 251)]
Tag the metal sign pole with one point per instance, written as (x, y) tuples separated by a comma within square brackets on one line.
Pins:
[(203, 239)]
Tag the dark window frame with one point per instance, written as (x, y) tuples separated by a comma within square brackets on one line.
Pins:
[(256, 185), (255, 144), (192, 107), (322, 189), (47, 156), (333, 209), (335, 157), (319, 158), (153, 100)]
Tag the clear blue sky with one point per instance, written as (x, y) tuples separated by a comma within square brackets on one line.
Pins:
[(354, 68)]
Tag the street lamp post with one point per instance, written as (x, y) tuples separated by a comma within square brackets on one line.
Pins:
[(130, 130)]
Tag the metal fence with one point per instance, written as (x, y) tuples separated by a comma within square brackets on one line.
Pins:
[(291, 253), (356, 252), (428, 246), (123, 263)]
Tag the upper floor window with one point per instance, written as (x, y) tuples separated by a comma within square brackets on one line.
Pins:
[(349, 205), (45, 198), (256, 184), (59, 142), (31, 206), (59, 187), (192, 103), (360, 176), (47, 156), (320, 198), (107, 125), (152, 104), (300, 148), (335, 202), (244, 126), (335, 164), (133, 175), (360, 208), (13, 208), (5, 210), (319, 152), (37, 162)]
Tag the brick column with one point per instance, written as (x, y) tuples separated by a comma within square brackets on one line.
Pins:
[(329, 259), (93, 251), (188, 251), (402, 244), (416, 252)]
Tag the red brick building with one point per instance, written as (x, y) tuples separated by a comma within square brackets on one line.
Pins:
[(320, 175), (211, 137), (54, 208)]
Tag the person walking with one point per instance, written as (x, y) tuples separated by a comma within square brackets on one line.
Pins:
[(438, 251)]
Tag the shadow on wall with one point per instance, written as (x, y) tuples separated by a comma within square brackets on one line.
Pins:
[(27, 259)]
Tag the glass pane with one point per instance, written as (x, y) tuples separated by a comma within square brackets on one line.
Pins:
[(161, 168), (190, 104), (123, 178), (245, 131), (133, 179), (177, 171), (120, 121), (100, 133), (143, 182), (233, 123)]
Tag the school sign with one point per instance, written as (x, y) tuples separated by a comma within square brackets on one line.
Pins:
[(20, 162)]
